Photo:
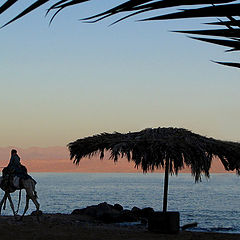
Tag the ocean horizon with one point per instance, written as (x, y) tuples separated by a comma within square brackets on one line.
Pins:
[(213, 203)]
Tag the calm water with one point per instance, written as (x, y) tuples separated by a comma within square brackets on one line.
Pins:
[(213, 203)]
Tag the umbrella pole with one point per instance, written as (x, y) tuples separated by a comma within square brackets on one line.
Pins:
[(166, 186)]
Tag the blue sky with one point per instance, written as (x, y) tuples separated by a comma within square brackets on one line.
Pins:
[(72, 80)]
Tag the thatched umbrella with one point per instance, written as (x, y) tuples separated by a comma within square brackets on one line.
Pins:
[(169, 148)]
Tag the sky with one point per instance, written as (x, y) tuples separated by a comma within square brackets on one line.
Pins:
[(56, 159), (73, 79)]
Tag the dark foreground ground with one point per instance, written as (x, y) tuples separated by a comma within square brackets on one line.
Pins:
[(64, 227)]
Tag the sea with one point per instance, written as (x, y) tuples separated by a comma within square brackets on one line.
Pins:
[(213, 203)]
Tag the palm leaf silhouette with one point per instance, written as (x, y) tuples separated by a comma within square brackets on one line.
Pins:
[(227, 36)]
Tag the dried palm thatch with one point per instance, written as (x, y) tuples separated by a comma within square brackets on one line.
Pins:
[(150, 149), (169, 148), (227, 35)]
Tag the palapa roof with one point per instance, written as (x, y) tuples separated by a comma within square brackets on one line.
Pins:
[(150, 148)]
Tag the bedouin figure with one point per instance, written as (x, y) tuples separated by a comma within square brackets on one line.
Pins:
[(15, 170), (15, 177), (15, 165)]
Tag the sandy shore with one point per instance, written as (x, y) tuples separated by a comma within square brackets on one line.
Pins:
[(64, 227)]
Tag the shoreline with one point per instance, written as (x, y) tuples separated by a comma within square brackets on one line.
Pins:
[(67, 226)]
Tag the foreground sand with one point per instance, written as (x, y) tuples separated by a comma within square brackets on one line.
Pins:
[(64, 227)]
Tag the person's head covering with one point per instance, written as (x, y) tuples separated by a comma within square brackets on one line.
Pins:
[(14, 151)]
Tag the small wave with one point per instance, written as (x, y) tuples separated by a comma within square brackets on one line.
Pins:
[(215, 229), (222, 229)]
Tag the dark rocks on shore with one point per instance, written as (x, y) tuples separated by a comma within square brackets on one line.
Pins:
[(136, 210), (146, 212), (118, 207), (37, 213), (127, 216), (78, 211), (108, 213)]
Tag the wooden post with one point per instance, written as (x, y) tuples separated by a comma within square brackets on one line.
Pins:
[(166, 185)]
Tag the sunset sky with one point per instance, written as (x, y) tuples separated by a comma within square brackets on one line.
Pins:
[(72, 80), (56, 159)]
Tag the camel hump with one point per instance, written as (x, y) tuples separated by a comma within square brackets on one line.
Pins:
[(13, 178), (20, 171)]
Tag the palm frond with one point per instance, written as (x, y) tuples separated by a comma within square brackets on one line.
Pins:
[(230, 64), (7, 5), (228, 43), (226, 23), (27, 10), (228, 33), (229, 9), (212, 11)]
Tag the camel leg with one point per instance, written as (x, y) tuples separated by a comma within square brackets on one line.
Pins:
[(11, 203), (33, 196), (34, 199), (36, 203), (29, 186), (2, 201), (26, 206)]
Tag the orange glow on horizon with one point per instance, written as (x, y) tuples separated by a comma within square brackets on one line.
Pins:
[(56, 159)]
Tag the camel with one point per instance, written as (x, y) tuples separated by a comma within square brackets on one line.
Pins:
[(29, 186)]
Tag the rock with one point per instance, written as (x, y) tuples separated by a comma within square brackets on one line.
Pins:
[(136, 211), (78, 212), (104, 208), (127, 216), (91, 211), (190, 225), (146, 212), (96, 210), (108, 213), (118, 217), (37, 213), (118, 207)]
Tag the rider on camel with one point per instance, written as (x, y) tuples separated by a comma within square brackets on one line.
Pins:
[(15, 159), (15, 171), (16, 167)]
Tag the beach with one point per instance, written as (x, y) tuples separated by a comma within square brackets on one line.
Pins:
[(67, 226)]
